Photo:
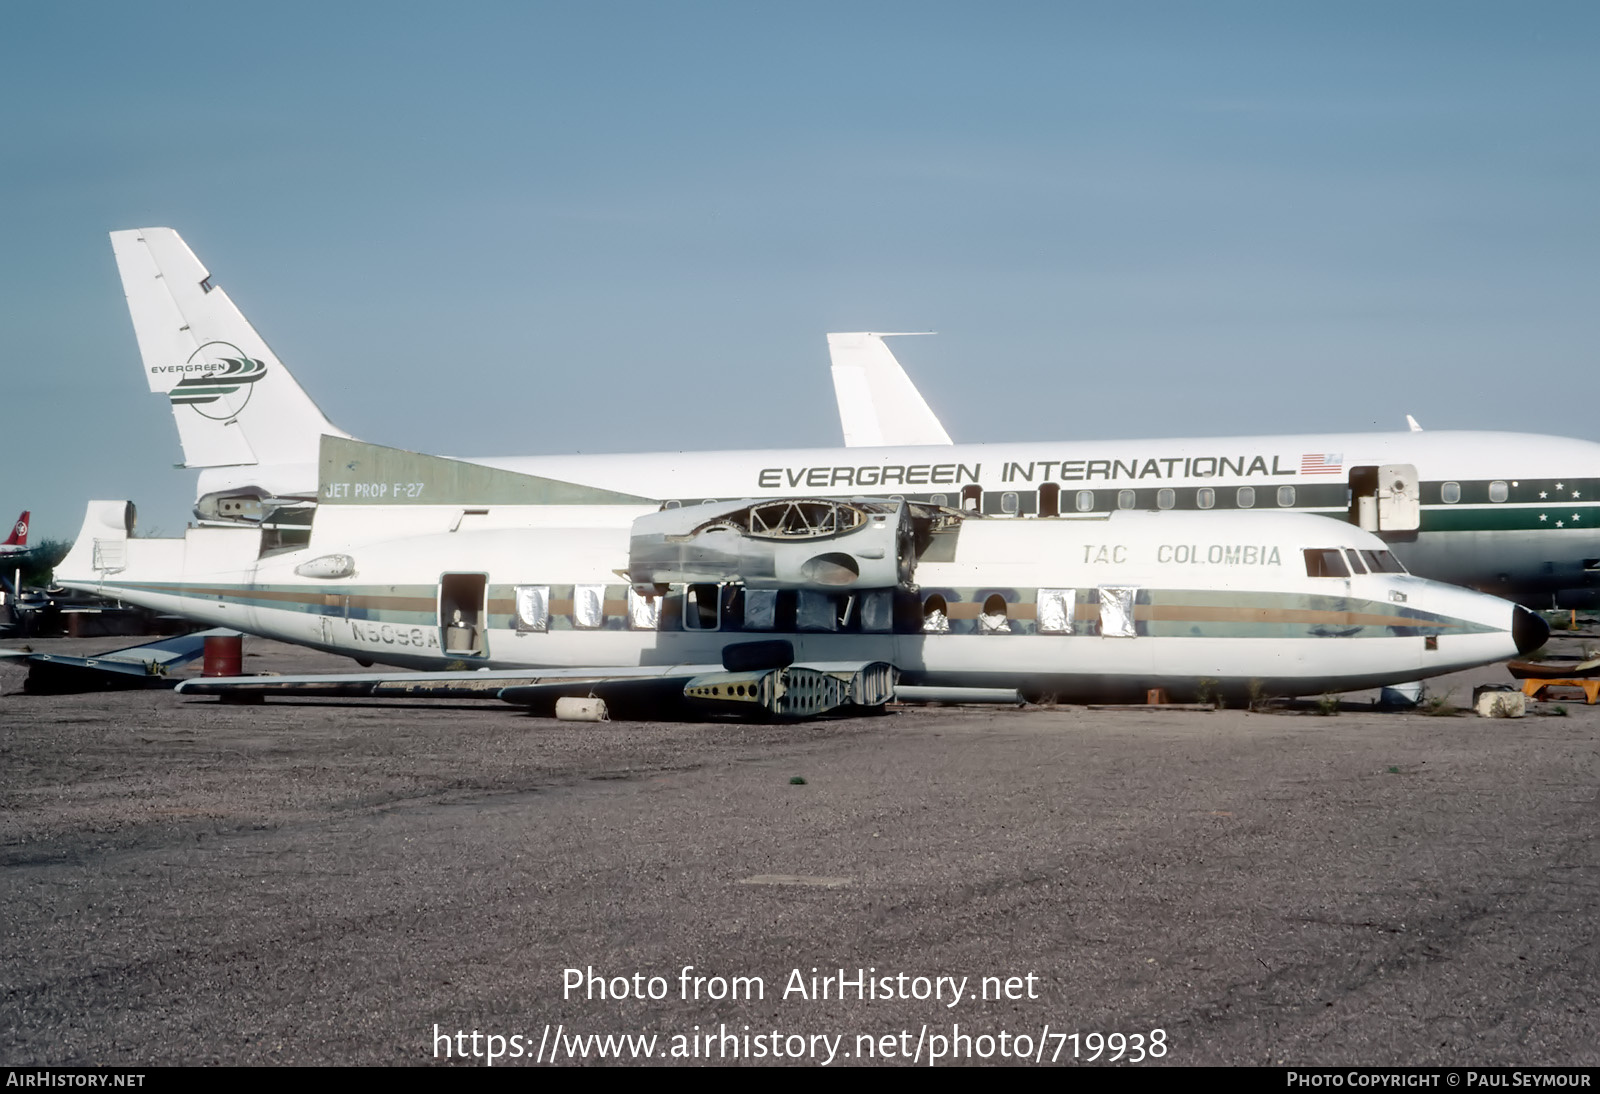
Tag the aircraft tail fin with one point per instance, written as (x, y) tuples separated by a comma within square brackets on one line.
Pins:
[(878, 403), (19, 532), (232, 399)]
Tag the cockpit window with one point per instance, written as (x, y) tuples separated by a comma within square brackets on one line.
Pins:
[(1382, 562), (1325, 562), (1354, 558)]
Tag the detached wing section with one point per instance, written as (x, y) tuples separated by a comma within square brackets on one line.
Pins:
[(654, 691), (878, 404)]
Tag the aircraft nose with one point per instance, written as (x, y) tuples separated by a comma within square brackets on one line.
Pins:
[(1528, 629)]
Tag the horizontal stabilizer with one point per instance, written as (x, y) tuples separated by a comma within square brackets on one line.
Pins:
[(132, 667)]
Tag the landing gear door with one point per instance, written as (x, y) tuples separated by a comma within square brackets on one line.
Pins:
[(1386, 498)]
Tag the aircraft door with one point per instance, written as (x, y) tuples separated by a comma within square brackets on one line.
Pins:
[(335, 606), (1386, 498), (463, 614)]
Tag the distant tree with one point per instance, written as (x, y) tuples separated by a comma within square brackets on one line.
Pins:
[(39, 565)]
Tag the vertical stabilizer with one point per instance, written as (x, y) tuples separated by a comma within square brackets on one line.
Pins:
[(233, 401), (878, 403), (19, 532)]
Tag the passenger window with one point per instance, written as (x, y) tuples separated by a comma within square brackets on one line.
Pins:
[(935, 615), (1498, 491), (1354, 558), (818, 611), (1124, 499), (588, 607), (1205, 497), (1247, 497), (644, 611), (993, 620), (938, 499), (533, 607), (1008, 503), (1085, 501), (1055, 610), (1285, 496), (760, 609), (1450, 492), (1117, 611), (1322, 562), (700, 608), (1166, 498), (671, 504)]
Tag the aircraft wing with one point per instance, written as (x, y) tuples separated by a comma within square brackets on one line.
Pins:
[(878, 403), (143, 666), (785, 691)]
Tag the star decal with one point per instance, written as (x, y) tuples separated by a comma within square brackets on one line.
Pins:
[(1561, 524), (1577, 493), (1542, 494), (1543, 517), (1561, 486), (1575, 518)]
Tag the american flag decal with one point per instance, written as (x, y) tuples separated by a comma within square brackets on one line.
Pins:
[(1322, 463)]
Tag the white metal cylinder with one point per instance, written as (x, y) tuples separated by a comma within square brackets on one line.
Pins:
[(587, 709)]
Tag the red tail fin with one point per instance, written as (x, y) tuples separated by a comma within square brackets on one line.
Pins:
[(19, 532)]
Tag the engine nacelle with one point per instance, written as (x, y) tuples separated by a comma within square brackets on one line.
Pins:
[(784, 543)]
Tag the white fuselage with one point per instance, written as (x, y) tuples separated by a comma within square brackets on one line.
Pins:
[(1079, 609)]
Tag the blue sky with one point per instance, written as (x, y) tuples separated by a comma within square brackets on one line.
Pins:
[(523, 228)]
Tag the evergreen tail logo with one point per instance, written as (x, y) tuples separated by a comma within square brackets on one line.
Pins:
[(223, 380)]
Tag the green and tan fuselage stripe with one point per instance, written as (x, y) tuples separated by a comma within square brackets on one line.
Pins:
[(1157, 612)]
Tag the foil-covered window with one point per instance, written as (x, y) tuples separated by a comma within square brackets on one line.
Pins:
[(1085, 501), (935, 615), (1246, 498), (993, 618), (760, 609), (877, 611), (1116, 611), (533, 608), (1055, 610), (1285, 496), (816, 611), (1205, 497), (588, 606), (644, 612)]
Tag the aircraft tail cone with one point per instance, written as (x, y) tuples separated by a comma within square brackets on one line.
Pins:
[(1528, 630)]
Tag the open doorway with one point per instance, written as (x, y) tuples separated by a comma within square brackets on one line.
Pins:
[(461, 614)]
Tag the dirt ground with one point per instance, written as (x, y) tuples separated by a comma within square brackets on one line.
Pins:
[(348, 882)]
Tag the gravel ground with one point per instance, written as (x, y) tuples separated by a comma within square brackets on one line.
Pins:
[(328, 882)]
